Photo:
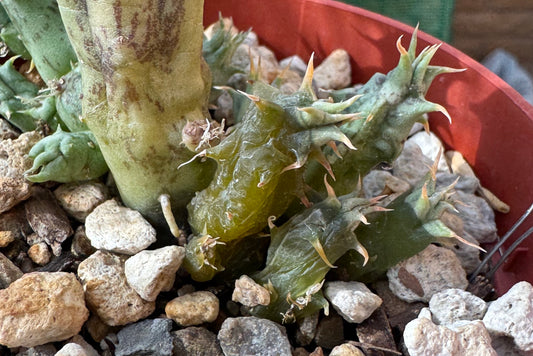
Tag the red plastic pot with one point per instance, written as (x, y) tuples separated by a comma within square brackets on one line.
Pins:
[(492, 124)]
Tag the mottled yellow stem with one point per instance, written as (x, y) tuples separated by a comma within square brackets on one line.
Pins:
[(143, 79)]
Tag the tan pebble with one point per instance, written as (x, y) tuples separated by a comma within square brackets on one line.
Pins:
[(458, 164), (6, 237), (249, 293), (80, 199), (335, 71), (41, 307), (14, 161), (39, 253), (494, 202), (346, 350), (193, 309), (153, 271), (107, 292)]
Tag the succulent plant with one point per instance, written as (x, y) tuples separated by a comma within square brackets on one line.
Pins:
[(20, 100), (139, 96), (218, 52), (303, 250), (52, 53), (412, 223), (127, 64), (9, 36), (259, 168), (390, 104), (71, 154)]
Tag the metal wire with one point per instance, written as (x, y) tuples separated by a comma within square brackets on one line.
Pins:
[(511, 248)]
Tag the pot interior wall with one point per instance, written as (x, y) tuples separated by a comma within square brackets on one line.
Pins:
[(492, 124)]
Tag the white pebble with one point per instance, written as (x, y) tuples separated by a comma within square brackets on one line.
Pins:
[(118, 229)]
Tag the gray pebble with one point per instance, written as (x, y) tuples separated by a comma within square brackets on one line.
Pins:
[(147, 337), (196, 341), (253, 336), (453, 305)]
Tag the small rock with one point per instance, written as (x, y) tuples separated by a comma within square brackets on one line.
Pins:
[(227, 24), (352, 300), (146, 337), (495, 203), (81, 245), (290, 81), (41, 307), (196, 341), (251, 39), (330, 331), (477, 215), (118, 229), (429, 272), (249, 293), (77, 347), (430, 145), (253, 336), (9, 272), (512, 315), (376, 330), (411, 166), (224, 108), (80, 199), (14, 161), (417, 127), (41, 350), (72, 349), (458, 164), (39, 253), (453, 305), (6, 237), (346, 350), (269, 68), (62, 263), (193, 309), (375, 182), (423, 337), (47, 219), (334, 72), (107, 292), (317, 352), (294, 63), (150, 272), (307, 329), (465, 184)]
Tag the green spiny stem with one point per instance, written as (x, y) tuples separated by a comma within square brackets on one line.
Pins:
[(391, 104), (258, 171), (218, 52), (143, 79), (39, 25), (10, 36), (411, 225), (66, 157), (302, 251), (20, 102)]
